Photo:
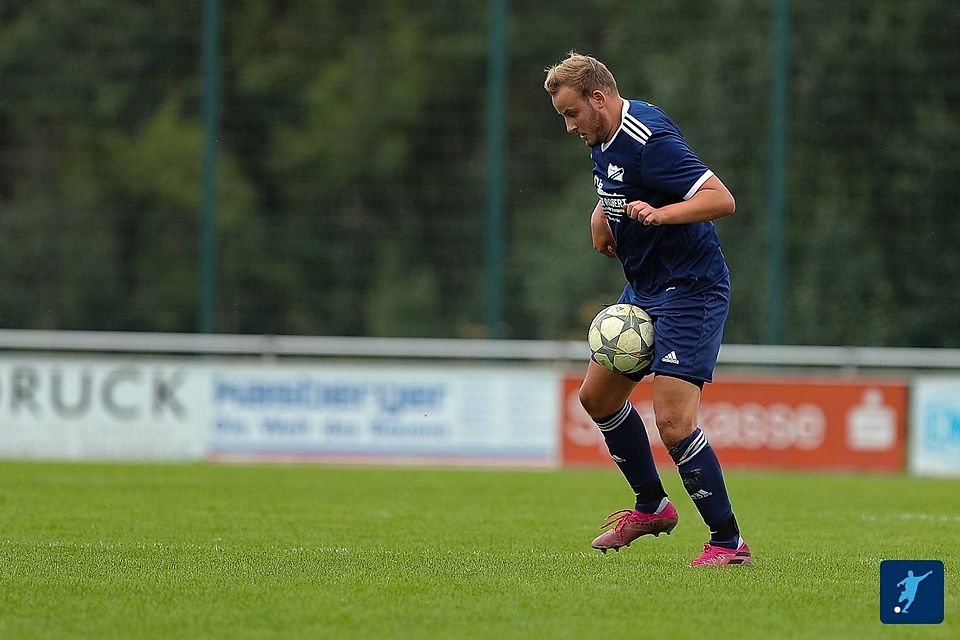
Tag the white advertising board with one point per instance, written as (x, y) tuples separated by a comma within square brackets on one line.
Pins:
[(96, 408), (102, 409), (450, 415), (935, 426)]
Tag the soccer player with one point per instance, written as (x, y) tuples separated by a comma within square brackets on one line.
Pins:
[(655, 211), (910, 584)]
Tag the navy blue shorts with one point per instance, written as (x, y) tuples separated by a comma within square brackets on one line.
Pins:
[(687, 332)]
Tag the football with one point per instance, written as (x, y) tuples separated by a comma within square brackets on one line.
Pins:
[(621, 338)]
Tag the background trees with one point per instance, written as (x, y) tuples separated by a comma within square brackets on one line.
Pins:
[(352, 174)]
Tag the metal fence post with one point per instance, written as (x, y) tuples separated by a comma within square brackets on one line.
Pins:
[(496, 165), (776, 186), (211, 148)]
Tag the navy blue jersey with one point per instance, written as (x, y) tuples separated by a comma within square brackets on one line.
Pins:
[(647, 159)]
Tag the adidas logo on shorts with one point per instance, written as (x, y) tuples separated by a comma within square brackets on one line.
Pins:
[(671, 358)]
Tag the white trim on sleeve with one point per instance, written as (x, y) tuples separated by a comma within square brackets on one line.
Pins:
[(699, 183)]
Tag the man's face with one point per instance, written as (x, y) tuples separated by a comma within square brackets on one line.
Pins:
[(581, 116)]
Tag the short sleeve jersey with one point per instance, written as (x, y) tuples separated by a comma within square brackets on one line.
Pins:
[(647, 159)]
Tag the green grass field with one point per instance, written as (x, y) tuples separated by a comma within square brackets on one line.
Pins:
[(222, 551)]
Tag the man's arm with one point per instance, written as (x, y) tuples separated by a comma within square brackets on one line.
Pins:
[(711, 201), (603, 240)]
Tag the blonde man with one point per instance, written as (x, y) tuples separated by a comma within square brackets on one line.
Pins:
[(656, 206)]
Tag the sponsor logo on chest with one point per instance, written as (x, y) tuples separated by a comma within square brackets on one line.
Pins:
[(614, 204)]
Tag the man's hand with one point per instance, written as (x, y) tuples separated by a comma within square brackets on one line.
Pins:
[(711, 201), (645, 213), (603, 240)]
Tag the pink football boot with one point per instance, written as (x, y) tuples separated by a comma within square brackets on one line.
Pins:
[(713, 556), (630, 524)]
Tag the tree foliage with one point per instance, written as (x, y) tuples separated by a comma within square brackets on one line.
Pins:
[(352, 164)]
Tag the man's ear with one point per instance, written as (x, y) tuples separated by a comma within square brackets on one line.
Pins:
[(598, 98)]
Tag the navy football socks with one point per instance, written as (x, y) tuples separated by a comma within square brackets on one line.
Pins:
[(629, 446), (703, 480)]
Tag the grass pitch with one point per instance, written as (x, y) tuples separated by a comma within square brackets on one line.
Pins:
[(222, 551)]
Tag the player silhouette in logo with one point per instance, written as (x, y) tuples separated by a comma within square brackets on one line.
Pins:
[(909, 585)]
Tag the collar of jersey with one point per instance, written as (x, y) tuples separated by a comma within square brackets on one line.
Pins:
[(623, 114)]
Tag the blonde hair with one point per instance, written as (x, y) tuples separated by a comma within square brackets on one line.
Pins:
[(581, 73)]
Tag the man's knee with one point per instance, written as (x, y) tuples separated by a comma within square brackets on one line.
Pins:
[(674, 426), (596, 403)]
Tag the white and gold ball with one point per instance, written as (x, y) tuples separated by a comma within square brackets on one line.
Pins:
[(621, 338)]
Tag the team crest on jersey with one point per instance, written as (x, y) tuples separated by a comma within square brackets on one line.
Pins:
[(614, 172)]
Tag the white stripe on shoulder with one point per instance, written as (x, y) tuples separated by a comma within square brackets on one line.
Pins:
[(634, 120), (699, 183), (631, 127), (633, 134)]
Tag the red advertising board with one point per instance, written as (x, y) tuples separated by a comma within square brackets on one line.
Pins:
[(810, 423)]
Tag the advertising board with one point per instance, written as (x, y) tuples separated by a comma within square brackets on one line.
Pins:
[(808, 423), (935, 426), (107, 408), (416, 414), (102, 409)]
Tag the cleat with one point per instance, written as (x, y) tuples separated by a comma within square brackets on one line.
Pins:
[(713, 556), (630, 524)]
